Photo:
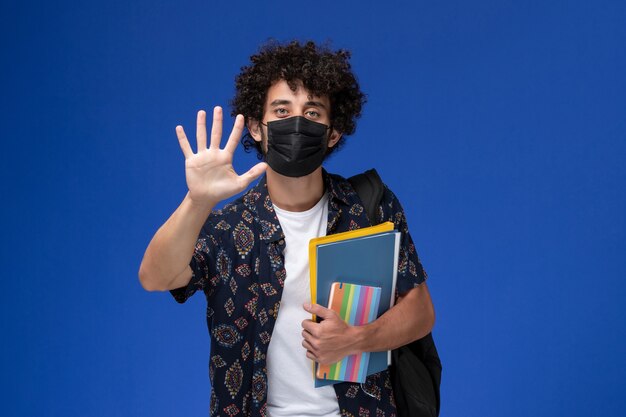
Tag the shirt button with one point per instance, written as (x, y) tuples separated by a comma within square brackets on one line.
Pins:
[(271, 311), (281, 242)]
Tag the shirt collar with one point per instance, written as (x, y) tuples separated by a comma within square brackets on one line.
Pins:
[(338, 188), (258, 199)]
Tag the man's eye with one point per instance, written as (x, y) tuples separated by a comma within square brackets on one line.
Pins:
[(313, 114), (280, 111)]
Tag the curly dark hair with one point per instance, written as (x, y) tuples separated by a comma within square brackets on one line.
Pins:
[(321, 71)]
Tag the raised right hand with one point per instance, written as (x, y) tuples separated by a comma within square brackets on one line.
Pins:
[(209, 172)]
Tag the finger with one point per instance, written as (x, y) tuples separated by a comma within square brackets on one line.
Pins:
[(201, 130), (216, 128), (235, 134), (183, 142), (318, 310), (310, 327), (308, 346), (308, 336), (252, 174), (311, 356)]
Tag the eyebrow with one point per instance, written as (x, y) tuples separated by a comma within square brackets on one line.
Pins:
[(315, 104), (279, 102)]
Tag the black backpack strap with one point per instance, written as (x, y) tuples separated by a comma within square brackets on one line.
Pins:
[(370, 188)]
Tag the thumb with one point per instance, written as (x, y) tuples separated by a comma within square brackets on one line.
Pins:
[(253, 173), (318, 310)]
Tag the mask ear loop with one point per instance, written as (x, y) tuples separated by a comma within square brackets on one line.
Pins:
[(330, 131), (263, 136)]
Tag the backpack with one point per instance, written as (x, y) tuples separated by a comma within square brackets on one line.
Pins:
[(415, 369)]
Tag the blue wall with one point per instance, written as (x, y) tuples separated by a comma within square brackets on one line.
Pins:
[(499, 124)]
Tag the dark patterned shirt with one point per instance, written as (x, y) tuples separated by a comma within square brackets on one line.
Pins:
[(239, 265)]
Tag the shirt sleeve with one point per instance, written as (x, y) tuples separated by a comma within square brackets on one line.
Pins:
[(410, 270), (202, 263)]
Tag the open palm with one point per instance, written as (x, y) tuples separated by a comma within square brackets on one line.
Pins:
[(209, 172)]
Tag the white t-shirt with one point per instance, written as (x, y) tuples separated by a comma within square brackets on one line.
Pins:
[(291, 391)]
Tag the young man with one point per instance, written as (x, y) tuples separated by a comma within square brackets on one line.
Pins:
[(250, 259)]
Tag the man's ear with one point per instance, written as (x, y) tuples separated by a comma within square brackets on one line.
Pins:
[(333, 138), (254, 127)]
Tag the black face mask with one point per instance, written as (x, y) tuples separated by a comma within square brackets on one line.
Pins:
[(296, 146)]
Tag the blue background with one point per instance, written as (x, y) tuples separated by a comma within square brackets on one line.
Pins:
[(499, 124)]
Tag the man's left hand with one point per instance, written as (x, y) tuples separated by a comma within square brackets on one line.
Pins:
[(329, 341)]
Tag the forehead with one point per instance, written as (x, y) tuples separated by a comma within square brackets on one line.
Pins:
[(280, 90)]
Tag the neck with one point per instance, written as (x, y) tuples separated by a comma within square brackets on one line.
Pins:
[(295, 194)]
